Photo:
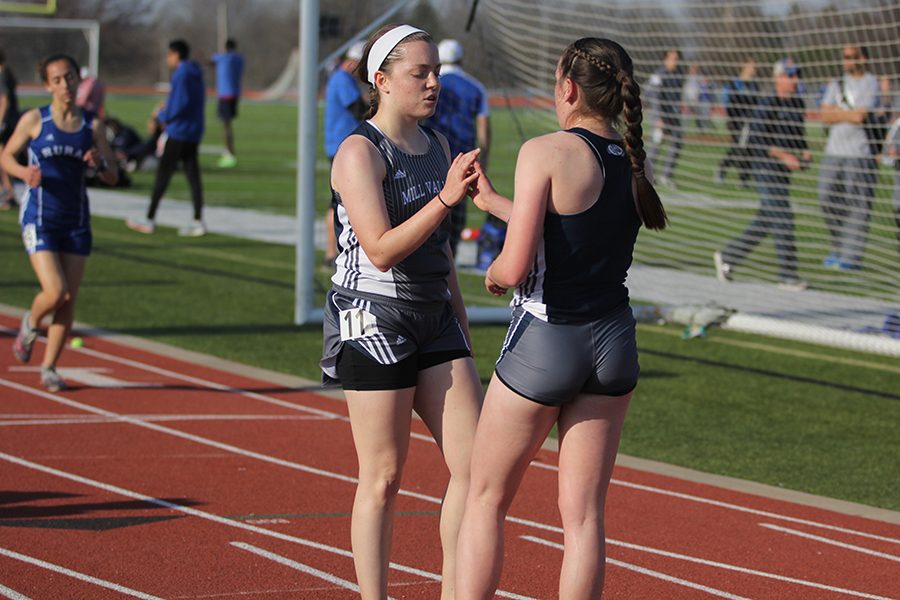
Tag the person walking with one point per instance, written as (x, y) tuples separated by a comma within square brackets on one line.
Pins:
[(229, 75), (777, 146), (848, 171), (183, 120), (667, 83), (395, 328), (739, 98), (62, 140), (344, 110), (570, 356), (9, 116), (463, 116)]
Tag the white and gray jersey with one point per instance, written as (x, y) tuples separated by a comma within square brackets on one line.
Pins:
[(848, 139), (411, 181)]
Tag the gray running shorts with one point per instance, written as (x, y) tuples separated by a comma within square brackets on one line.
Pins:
[(387, 331), (552, 363)]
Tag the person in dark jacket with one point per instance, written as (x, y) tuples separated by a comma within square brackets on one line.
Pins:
[(182, 117), (9, 116), (665, 89), (739, 98), (777, 148)]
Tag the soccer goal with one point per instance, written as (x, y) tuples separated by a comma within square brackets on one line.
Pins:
[(708, 206), (28, 39)]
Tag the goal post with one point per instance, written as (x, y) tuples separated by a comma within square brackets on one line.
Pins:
[(35, 7), (88, 27)]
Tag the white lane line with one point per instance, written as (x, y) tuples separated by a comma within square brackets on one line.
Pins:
[(220, 387), (91, 376), (76, 575), (229, 448), (194, 438), (735, 507), (266, 458), (86, 420), (11, 593), (281, 462), (209, 384), (645, 571), (728, 567), (347, 585), (825, 540), (426, 438), (108, 487)]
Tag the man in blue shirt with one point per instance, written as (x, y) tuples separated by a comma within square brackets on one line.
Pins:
[(463, 116), (182, 117), (229, 72), (344, 110)]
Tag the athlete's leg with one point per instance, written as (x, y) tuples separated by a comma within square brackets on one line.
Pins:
[(510, 431), (164, 171), (49, 270), (192, 172), (380, 422), (73, 266), (448, 398), (589, 432), (229, 136)]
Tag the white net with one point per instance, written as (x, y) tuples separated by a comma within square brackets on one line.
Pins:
[(711, 200)]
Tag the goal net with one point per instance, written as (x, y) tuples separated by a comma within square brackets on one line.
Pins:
[(710, 202), (27, 40)]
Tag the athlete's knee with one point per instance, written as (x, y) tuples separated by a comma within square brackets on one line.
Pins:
[(490, 495), (381, 485), (578, 514), (57, 297)]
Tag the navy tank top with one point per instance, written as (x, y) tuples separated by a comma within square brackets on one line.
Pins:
[(61, 198), (580, 267)]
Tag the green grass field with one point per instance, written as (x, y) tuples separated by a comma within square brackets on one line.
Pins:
[(794, 415)]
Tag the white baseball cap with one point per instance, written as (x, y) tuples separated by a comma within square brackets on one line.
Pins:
[(450, 51), (355, 52)]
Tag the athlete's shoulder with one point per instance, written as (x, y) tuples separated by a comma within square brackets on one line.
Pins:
[(359, 153), (32, 117)]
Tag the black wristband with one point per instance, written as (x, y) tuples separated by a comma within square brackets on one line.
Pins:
[(444, 203)]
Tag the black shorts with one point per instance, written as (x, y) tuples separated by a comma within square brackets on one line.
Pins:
[(382, 344), (227, 108), (551, 363)]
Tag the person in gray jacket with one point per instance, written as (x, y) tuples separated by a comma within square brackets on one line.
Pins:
[(848, 171)]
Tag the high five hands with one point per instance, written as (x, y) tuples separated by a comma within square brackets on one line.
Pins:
[(460, 177)]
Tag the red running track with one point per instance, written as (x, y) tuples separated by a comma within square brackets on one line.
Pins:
[(160, 477)]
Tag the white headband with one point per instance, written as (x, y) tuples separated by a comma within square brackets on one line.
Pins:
[(384, 45)]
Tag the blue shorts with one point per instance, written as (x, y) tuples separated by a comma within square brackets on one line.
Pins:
[(68, 240)]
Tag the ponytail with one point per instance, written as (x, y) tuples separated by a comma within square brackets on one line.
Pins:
[(605, 74), (648, 204)]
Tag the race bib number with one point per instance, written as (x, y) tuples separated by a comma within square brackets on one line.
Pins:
[(357, 323), (29, 237)]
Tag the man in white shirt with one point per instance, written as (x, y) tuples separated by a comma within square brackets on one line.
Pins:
[(848, 171)]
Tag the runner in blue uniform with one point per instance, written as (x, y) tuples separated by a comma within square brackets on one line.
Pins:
[(62, 139), (396, 334), (570, 357)]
